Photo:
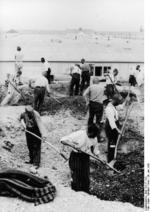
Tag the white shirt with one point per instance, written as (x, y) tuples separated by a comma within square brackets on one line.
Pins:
[(45, 66), (41, 81), (112, 115), (82, 141), (19, 56), (114, 79), (75, 69), (140, 77), (95, 93)]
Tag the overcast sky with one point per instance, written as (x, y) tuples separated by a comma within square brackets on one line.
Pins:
[(109, 15)]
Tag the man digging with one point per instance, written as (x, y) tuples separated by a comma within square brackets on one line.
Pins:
[(31, 122), (84, 141)]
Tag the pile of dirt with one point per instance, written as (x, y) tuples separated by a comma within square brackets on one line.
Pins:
[(125, 187)]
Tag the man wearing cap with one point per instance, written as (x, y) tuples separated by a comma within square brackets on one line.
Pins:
[(46, 68), (40, 87), (31, 122), (85, 75), (94, 96)]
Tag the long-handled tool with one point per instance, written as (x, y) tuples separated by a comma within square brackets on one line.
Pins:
[(55, 99), (52, 146), (92, 156), (120, 135), (17, 90), (113, 84)]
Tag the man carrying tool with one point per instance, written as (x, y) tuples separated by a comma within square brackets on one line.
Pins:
[(111, 82), (75, 73), (31, 122), (40, 87), (85, 141), (94, 96), (12, 83), (112, 125)]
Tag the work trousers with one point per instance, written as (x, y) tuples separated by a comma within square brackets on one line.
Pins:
[(39, 93), (112, 136), (34, 147), (95, 110), (85, 80), (79, 165), (74, 85), (132, 80)]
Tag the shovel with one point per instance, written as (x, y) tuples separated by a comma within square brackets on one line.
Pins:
[(52, 146), (92, 156), (120, 135)]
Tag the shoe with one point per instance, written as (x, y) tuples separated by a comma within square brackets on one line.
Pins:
[(28, 162)]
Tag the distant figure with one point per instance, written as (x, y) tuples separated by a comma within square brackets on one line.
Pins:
[(139, 76), (111, 81), (32, 122), (47, 69), (11, 82), (19, 59), (132, 78), (75, 73), (85, 75), (40, 87)]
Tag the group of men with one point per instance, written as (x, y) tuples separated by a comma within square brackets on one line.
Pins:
[(98, 97), (80, 77), (100, 100)]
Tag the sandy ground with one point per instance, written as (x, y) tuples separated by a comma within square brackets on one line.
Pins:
[(52, 164)]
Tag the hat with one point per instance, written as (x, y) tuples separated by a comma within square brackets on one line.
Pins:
[(118, 99)]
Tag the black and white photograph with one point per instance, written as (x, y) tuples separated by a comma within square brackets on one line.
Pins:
[(72, 99)]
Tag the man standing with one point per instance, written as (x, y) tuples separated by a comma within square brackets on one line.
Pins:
[(75, 73), (40, 87), (79, 161), (31, 122), (46, 68), (94, 96), (111, 82), (132, 78), (112, 125), (19, 60), (139, 76), (85, 75)]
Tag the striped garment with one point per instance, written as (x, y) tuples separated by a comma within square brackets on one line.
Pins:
[(14, 183)]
